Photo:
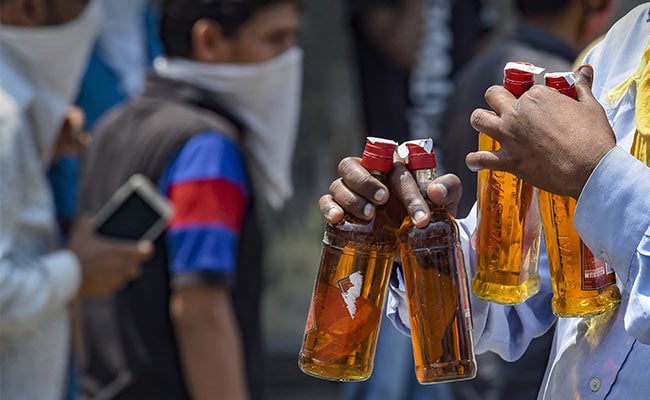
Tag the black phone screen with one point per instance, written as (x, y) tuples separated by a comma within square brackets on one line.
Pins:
[(131, 220)]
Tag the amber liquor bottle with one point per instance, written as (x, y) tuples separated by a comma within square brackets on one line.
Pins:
[(436, 283), (350, 289), (508, 224), (582, 284)]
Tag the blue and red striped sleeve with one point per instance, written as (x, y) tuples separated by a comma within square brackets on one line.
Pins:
[(207, 185)]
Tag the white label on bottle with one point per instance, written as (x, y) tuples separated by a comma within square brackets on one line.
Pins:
[(351, 290)]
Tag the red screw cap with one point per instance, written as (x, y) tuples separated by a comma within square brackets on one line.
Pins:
[(378, 154)]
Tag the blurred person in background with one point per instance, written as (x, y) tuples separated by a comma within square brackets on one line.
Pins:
[(215, 128), (122, 54), (549, 34), (44, 48)]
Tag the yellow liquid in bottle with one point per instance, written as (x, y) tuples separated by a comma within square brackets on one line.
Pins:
[(570, 260), (438, 300), (347, 303), (507, 236)]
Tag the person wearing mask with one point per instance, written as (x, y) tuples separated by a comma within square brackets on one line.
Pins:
[(45, 45), (595, 149), (214, 128)]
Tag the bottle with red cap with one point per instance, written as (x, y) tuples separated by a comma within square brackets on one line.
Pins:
[(349, 293), (436, 283), (582, 284), (508, 231)]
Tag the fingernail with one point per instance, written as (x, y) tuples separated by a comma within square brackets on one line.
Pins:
[(586, 72), (367, 210), (472, 167), (443, 188), (380, 195), (419, 216)]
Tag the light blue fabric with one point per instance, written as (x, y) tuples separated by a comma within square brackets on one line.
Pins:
[(603, 357)]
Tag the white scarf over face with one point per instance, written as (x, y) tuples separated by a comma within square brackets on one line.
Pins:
[(266, 97), (53, 58)]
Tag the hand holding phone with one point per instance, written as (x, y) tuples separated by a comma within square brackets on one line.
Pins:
[(136, 211)]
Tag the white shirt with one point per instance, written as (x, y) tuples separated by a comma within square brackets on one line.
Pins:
[(605, 357), (36, 281)]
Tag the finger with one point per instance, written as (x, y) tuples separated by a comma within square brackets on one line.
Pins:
[(585, 75), (350, 201), (407, 190), (446, 191), (360, 181), (75, 119), (331, 211), (499, 98), (485, 160), (487, 122), (145, 250)]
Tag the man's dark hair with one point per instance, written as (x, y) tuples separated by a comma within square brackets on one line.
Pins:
[(541, 7), (178, 18)]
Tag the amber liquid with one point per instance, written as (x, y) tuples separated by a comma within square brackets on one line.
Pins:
[(348, 300), (438, 300), (507, 237), (568, 260)]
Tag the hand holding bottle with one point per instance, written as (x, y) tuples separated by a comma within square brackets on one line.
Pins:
[(356, 190), (553, 151)]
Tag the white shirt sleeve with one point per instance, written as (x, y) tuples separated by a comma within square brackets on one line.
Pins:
[(613, 219)]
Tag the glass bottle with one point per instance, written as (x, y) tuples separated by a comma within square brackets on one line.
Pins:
[(508, 224), (582, 284), (436, 284), (350, 289)]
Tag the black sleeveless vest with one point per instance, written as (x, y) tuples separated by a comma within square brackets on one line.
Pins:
[(130, 346)]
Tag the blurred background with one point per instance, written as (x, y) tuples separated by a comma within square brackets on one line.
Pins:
[(331, 128)]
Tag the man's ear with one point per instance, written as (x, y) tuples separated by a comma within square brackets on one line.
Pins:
[(22, 12), (209, 44)]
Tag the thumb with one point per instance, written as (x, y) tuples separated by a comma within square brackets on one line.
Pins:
[(584, 79)]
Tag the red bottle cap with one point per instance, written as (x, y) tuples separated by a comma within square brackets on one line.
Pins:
[(519, 76), (419, 154), (378, 154), (564, 82)]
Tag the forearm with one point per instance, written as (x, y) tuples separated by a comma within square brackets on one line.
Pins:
[(210, 352)]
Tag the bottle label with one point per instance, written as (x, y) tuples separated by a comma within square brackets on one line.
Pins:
[(310, 326), (596, 274), (350, 287)]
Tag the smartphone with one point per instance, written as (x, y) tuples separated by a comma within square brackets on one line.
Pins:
[(136, 211)]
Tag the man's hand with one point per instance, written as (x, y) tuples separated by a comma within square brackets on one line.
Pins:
[(358, 192), (550, 140), (106, 264), (73, 139)]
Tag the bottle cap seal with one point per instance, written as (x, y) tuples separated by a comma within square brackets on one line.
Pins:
[(378, 154), (564, 82), (418, 154), (519, 76)]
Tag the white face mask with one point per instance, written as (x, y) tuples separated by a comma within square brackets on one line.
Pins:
[(266, 96), (53, 59)]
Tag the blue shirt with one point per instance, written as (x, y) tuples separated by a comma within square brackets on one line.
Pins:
[(608, 356)]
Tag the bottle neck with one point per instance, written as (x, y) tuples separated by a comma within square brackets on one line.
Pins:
[(381, 176), (424, 177)]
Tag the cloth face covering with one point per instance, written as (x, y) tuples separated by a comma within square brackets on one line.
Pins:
[(54, 58), (266, 97)]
